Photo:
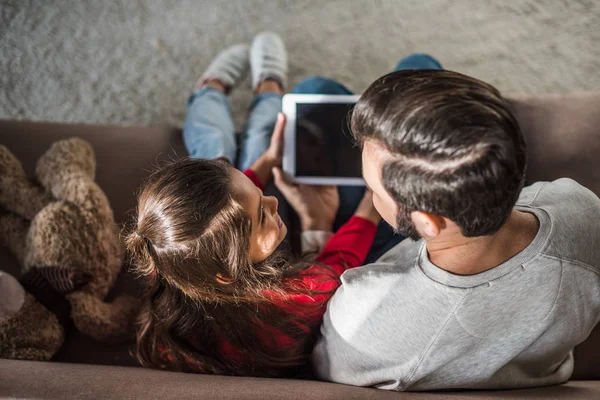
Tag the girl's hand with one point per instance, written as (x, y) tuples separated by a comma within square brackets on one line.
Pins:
[(366, 209), (274, 154), (316, 205), (275, 151)]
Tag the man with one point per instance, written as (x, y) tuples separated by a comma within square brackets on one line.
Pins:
[(498, 283)]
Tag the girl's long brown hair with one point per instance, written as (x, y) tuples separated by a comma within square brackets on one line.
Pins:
[(189, 231)]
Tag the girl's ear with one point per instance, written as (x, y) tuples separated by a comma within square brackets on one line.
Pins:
[(224, 280)]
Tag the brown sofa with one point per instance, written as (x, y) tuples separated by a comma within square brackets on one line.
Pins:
[(563, 134)]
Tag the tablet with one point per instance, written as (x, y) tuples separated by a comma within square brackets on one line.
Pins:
[(319, 148)]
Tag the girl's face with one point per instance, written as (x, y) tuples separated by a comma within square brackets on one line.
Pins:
[(268, 231)]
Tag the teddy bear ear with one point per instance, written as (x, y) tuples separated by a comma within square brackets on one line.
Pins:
[(13, 296)]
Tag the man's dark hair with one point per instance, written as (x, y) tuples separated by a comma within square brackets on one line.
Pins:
[(456, 148)]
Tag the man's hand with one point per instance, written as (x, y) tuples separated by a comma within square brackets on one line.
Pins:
[(316, 205)]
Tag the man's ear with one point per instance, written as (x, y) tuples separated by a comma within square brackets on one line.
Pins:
[(428, 225)]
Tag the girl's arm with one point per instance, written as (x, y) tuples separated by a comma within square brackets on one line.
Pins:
[(349, 246), (270, 158)]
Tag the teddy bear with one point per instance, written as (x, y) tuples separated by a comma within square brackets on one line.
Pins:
[(62, 231)]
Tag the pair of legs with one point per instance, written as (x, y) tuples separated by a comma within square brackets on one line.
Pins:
[(209, 134), (350, 196), (208, 131)]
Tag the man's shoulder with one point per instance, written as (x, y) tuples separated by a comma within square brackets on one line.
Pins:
[(573, 213), (563, 192), (396, 261), (370, 292), (573, 209)]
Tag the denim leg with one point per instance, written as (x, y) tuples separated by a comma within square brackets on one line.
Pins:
[(256, 134), (208, 132), (319, 85), (418, 61)]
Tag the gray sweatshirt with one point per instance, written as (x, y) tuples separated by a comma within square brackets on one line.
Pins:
[(404, 324)]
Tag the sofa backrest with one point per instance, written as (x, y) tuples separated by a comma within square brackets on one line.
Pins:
[(563, 135)]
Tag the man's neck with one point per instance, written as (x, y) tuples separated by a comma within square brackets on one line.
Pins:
[(462, 255)]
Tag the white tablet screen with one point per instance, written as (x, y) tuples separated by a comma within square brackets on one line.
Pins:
[(324, 144)]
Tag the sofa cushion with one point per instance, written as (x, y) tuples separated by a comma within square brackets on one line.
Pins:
[(67, 381)]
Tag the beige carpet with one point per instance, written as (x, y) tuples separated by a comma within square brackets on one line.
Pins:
[(134, 61)]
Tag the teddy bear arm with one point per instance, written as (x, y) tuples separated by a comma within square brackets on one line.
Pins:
[(105, 322), (17, 193), (22, 197), (13, 234)]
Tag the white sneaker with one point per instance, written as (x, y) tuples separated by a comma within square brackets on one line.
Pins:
[(268, 59), (229, 67)]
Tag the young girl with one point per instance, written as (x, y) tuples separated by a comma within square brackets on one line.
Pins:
[(221, 298)]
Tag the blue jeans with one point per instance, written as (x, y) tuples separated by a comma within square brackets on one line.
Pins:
[(208, 132), (350, 196)]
